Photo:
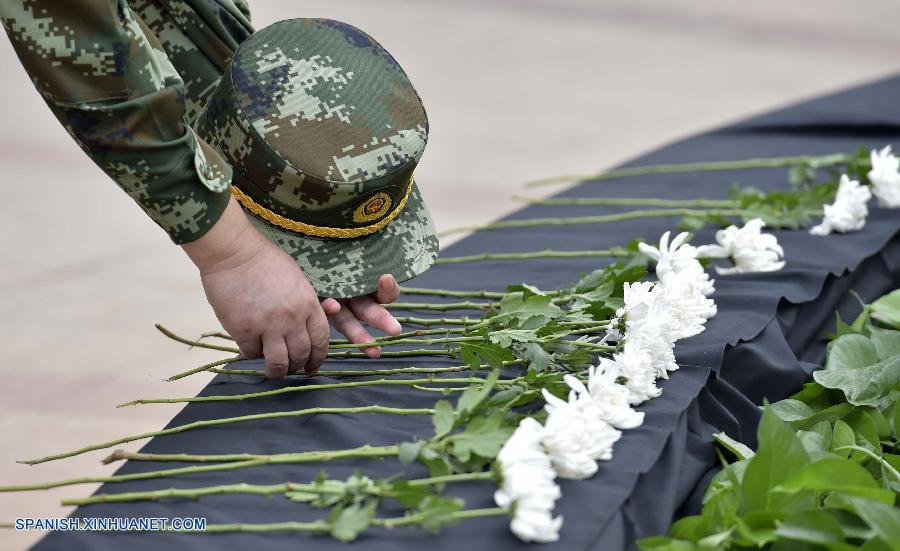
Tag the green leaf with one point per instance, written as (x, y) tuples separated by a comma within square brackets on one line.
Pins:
[(662, 543), (517, 307), (443, 418), (829, 415), (538, 358), (409, 451), (505, 337), (815, 443), (483, 436), (408, 495), (864, 428), (591, 281), (853, 367), (347, 522), (881, 422), (792, 410), (872, 544), (887, 309), (895, 418), (779, 455), (437, 464), (691, 223), (758, 527), (811, 526), (437, 512), (475, 354), (741, 451), (473, 396), (882, 518), (526, 289), (842, 435), (726, 481), (886, 341), (836, 474)]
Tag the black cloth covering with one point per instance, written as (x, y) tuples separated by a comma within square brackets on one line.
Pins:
[(767, 338)]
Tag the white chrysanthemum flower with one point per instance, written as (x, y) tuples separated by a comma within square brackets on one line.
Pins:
[(529, 485), (749, 249), (676, 256), (635, 367), (688, 304), (848, 212), (637, 298), (885, 177), (575, 436), (608, 398), (656, 334)]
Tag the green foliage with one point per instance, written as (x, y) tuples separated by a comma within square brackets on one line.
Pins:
[(483, 437), (347, 522), (864, 368), (824, 476), (886, 310)]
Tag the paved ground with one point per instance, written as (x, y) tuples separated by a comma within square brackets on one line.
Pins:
[(515, 90)]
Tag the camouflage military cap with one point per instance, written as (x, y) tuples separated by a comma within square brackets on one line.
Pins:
[(324, 129)]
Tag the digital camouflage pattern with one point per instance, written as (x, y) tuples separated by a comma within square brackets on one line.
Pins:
[(315, 117), (404, 248), (126, 79), (323, 127)]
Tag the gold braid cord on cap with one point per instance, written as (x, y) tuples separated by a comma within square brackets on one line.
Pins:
[(318, 231)]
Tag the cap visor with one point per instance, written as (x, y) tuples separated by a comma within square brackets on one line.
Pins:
[(345, 268)]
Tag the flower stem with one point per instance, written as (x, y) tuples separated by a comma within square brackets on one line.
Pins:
[(884, 464), (369, 372), (451, 293), (467, 305), (316, 527), (527, 256), (302, 457), (600, 219), (262, 489), (198, 344), (352, 373), (436, 321), (631, 201), (217, 335), (343, 354), (207, 367), (305, 388), (744, 164), (416, 518), (389, 342), (228, 420)]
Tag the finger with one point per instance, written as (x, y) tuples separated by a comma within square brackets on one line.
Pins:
[(250, 347), (345, 322), (374, 314), (317, 327), (330, 306), (388, 289), (277, 360), (298, 349)]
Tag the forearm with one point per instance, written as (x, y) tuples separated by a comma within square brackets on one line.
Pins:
[(230, 242), (126, 110)]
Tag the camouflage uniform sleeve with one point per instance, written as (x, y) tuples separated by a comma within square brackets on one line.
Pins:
[(108, 81)]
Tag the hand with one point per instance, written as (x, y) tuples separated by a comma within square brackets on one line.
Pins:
[(367, 309), (261, 297)]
